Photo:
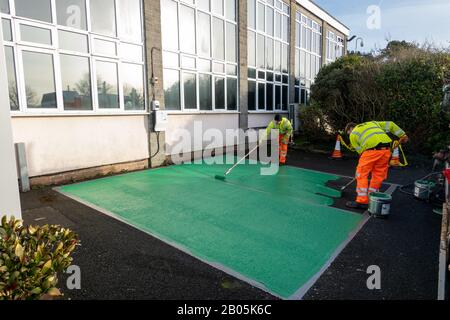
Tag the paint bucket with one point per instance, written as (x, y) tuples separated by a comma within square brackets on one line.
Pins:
[(380, 204), (423, 189)]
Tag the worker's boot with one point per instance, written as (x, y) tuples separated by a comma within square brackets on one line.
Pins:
[(356, 205)]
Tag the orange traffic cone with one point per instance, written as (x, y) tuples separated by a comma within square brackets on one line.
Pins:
[(337, 153), (395, 160)]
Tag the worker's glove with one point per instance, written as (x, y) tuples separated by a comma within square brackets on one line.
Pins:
[(404, 139), (285, 141)]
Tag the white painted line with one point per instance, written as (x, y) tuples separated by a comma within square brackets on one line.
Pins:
[(296, 296), (392, 190), (307, 286), (172, 244)]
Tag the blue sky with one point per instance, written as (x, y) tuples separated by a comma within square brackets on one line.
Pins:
[(411, 20)]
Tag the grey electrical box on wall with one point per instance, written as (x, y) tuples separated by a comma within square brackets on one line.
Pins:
[(155, 105), (161, 120)]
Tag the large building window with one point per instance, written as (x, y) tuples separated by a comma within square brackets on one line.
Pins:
[(308, 56), (268, 55), (59, 59), (200, 40), (335, 47)]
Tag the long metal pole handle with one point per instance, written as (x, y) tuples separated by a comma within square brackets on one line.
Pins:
[(231, 169)]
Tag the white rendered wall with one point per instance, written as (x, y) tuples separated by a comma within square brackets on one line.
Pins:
[(9, 187), (60, 144), (186, 123), (261, 120)]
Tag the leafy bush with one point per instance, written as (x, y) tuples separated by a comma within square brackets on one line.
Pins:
[(31, 257), (403, 84)]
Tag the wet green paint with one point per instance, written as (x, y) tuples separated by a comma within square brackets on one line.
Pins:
[(276, 230)]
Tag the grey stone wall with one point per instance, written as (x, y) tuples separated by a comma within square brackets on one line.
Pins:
[(153, 46), (243, 65)]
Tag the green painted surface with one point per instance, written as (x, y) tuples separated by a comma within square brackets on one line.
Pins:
[(275, 230)]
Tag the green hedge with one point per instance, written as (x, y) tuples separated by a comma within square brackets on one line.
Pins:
[(403, 84)]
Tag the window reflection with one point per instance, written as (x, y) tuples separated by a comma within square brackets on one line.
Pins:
[(131, 52), (130, 20), (39, 80), (103, 17), (269, 12), (4, 6), (34, 9), (231, 94), (107, 48), (251, 95), (251, 49), (11, 76), (76, 82), (269, 94), (231, 42), (219, 89), (206, 43), (133, 86), (203, 4), (272, 51), (261, 96), (261, 17), (205, 89), (35, 34), (204, 34), (269, 53), (187, 29), (230, 9), (7, 31), (172, 89), (71, 13), (169, 25), (277, 97), (218, 39), (260, 53), (107, 85), (62, 44), (251, 13), (190, 90), (285, 96), (217, 6), (73, 41)]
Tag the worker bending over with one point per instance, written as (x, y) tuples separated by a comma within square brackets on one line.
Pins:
[(372, 142), (285, 129)]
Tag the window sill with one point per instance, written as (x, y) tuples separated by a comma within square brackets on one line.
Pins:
[(189, 113), (15, 114), (268, 112)]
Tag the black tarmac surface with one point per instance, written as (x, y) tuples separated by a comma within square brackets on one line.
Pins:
[(120, 262)]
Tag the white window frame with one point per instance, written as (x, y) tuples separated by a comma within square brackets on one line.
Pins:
[(285, 11), (212, 61), (19, 46), (119, 83), (116, 42), (19, 23), (304, 22), (78, 53), (335, 44), (56, 77)]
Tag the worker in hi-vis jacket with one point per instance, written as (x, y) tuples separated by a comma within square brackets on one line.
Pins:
[(285, 129), (372, 142)]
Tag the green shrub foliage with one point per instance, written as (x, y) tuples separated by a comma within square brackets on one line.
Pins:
[(31, 258), (403, 84)]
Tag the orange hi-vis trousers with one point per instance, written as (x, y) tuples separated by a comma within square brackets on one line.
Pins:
[(283, 149), (375, 162)]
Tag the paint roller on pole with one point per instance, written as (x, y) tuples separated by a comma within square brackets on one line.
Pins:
[(223, 178)]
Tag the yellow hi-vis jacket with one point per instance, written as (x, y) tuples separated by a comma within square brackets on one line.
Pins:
[(370, 134), (284, 127)]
